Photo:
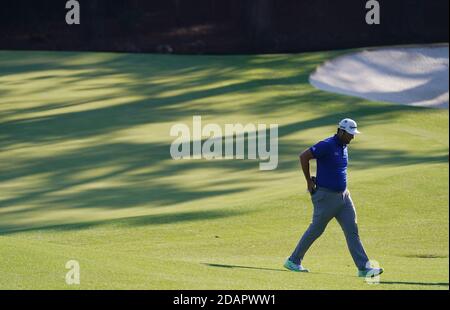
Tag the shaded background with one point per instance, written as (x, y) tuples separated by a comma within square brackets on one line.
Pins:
[(219, 26)]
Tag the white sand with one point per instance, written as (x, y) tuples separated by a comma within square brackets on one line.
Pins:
[(416, 76)]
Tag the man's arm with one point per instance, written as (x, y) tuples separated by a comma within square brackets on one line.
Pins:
[(305, 157)]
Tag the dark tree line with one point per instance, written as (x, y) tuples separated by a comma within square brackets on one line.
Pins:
[(239, 25)]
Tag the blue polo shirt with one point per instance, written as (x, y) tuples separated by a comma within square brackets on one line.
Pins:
[(332, 160)]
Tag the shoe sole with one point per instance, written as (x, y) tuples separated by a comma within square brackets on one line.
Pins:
[(294, 269), (372, 276)]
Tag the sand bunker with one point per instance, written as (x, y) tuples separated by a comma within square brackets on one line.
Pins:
[(416, 76)]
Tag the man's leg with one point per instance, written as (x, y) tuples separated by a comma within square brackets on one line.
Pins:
[(324, 211), (347, 219)]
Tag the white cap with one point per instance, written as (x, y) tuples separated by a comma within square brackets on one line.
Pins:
[(349, 126)]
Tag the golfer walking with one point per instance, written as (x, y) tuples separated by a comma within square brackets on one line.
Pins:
[(331, 199)]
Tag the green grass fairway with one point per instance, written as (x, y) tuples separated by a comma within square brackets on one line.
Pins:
[(86, 174)]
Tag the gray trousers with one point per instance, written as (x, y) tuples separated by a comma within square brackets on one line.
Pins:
[(329, 205)]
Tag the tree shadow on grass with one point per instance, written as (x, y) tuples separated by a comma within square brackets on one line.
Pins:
[(141, 76), (136, 221), (143, 72), (125, 161)]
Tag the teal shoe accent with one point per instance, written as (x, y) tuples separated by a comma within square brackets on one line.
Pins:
[(370, 272), (294, 267)]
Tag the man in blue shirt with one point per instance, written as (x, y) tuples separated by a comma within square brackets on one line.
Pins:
[(331, 199)]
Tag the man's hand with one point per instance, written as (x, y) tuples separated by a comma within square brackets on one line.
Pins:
[(312, 185), (305, 157)]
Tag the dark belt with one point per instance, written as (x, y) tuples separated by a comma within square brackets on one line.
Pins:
[(330, 190)]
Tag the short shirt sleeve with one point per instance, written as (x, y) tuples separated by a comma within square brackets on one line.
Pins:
[(320, 149)]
